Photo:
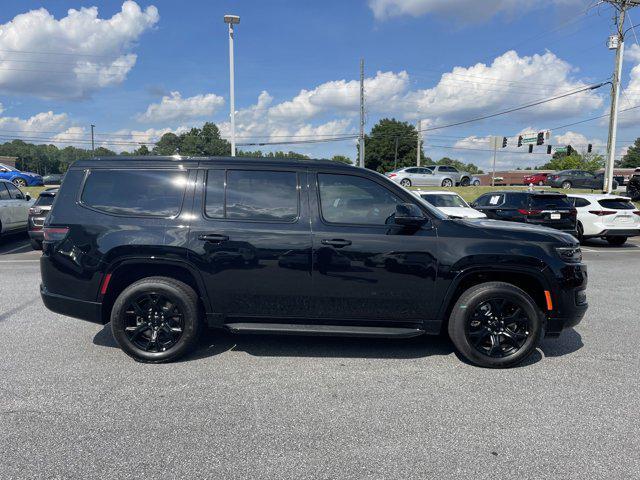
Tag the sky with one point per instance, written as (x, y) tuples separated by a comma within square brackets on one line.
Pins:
[(139, 69)]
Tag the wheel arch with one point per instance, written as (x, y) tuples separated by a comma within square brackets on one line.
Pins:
[(123, 273)]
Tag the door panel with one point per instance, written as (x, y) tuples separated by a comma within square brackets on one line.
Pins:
[(370, 271), (255, 257)]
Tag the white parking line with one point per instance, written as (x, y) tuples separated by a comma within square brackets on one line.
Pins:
[(15, 249), (19, 261), (611, 250)]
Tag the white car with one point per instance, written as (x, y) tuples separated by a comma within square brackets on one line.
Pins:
[(449, 203), (611, 217), (420, 176), (14, 208)]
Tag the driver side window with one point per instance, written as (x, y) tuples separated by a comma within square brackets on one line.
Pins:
[(348, 199)]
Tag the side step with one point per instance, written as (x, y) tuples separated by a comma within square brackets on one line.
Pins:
[(329, 330)]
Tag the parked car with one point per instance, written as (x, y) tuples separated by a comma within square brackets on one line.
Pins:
[(577, 179), (545, 209), (475, 181), (420, 176), (537, 178), (53, 179), (128, 241), (14, 208), (462, 179), (633, 187), (611, 217), (37, 214), (449, 203), (18, 178)]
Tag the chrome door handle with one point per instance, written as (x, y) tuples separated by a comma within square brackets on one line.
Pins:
[(336, 242), (213, 237)]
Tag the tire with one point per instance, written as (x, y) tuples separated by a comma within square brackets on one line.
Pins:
[(465, 182), (19, 182), (616, 240), (447, 182), (470, 309), (36, 244), (135, 333), (580, 232), (405, 182), (476, 183), (541, 183), (566, 185)]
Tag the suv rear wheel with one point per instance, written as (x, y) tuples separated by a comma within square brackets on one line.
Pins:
[(495, 325), (156, 319)]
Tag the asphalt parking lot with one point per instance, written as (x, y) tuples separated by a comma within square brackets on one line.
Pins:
[(73, 406)]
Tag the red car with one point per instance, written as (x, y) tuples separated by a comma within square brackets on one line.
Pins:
[(536, 179)]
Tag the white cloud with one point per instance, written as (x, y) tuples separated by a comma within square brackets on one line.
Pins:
[(174, 107), (632, 53), (73, 56), (509, 81), (466, 10), (629, 111), (579, 141), (36, 126)]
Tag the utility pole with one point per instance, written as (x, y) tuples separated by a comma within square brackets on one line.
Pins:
[(93, 146), (361, 162), (419, 127), (621, 7), (232, 20)]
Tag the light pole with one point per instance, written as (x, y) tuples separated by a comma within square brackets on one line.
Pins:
[(93, 145), (232, 20)]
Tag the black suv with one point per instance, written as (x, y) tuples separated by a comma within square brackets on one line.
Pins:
[(162, 246), (544, 209)]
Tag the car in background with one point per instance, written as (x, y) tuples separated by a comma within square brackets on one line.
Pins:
[(577, 179), (537, 178), (53, 179), (545, 209), (633, 186), (420, 176), (449, 203), (14, 208), (611, 217), (37, 215), (475, 181), (18, 178), (462, 179)]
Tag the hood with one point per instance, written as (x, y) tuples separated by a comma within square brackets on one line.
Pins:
[(516, 228), (464, 212), (30, 174)]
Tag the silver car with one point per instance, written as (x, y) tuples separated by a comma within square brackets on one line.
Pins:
[(420, 176)]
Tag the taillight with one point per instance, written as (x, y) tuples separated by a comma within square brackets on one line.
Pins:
[(55, 234), (602, 213), (529, 212), (573, 212), (391, 175), (637, 212)]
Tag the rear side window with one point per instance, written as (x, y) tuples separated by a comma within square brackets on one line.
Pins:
[(546, 202), (149, 193), (256, 195), (617, 204), (4, 193), (14, 191), (579, 202)]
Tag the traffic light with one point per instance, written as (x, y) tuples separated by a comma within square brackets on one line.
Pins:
[(530, 148), (548, 149), (504, 142), (520, 141), (589, 148), (540, 140), (569, 150)]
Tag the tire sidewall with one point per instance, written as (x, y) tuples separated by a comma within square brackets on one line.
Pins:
[(470, 300), (175, 294), (405, 182)]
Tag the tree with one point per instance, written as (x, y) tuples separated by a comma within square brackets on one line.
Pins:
[(631, 159), (590, 162), (342, 159), (169, 144), (143, 150), (380, 145), (464, 167)]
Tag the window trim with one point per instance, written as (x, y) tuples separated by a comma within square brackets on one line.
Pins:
[(2, 185), (335, 224), (87, 173), (248, 220)]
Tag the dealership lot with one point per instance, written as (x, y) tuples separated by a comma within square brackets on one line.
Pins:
[(73, 405)]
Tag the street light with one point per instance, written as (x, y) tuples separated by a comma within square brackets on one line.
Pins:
[(232, 20)]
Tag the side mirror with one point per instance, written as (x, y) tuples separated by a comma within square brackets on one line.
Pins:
[(27, 197), (473, 204), (408, 214)]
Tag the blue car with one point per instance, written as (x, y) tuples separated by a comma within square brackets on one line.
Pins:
[(18, 178)]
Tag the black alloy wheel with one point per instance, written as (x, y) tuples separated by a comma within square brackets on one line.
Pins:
[(498, 327), (153, 323)]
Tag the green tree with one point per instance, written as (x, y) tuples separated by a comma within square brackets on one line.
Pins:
[(590, 162), (631, 159), (380, 145), (143, 150), (342, 159), (169, 144), (464, 167)]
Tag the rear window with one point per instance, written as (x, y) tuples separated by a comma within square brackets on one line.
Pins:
[(617, 204), (444, 200), (149, 193), (546, 202), (44, 201)]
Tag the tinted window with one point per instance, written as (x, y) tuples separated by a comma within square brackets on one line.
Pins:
[(617, 204), (355, 200), (44, 201), (14, 191), (135, 192), (546, 202), (444, 200), (262, 195), (579, 202), (214, 202), (412, 170), (4, 193)]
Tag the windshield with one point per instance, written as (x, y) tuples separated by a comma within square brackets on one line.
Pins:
[(441, 200), (550, 202)]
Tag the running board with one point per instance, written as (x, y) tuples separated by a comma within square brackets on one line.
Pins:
[(329, 330)]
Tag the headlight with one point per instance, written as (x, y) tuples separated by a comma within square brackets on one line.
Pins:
[(570, 254)]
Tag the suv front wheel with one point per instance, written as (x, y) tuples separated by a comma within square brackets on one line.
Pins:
[(156, 319), (495, 325)]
